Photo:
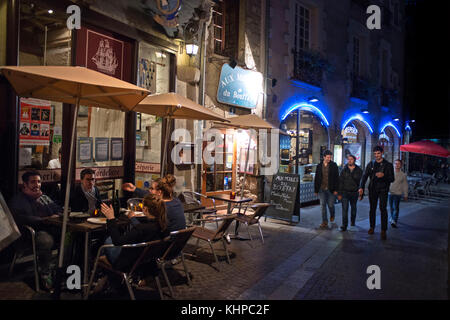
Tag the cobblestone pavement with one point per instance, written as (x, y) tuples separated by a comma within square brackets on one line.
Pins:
[(302, 262)]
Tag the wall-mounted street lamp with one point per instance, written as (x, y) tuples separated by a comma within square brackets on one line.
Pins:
[(364, 110), (396, 119), (191, 49), (313, 99)]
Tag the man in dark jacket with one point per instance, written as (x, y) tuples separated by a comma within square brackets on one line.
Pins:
[(85, 196), (31, 207), (349, 181), (326, 184), (381, 173)]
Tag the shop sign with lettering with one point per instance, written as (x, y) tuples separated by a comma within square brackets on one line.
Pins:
[(239, 87), (103, 173), (146, 167)]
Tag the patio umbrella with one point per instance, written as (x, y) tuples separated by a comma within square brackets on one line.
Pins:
[(74, 85), (426, 147), (248, 121), (174, 106)]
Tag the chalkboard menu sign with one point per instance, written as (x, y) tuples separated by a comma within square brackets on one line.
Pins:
[(283, 196)]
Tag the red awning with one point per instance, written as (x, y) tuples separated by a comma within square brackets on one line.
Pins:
[(426, 147)]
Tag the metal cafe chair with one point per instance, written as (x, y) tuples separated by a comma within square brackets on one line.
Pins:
[(20, 248), (213, 236), (249, 220), (178, 240), (150, 250)]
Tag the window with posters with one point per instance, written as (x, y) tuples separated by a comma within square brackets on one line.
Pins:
[(153, 75), (41, 121)]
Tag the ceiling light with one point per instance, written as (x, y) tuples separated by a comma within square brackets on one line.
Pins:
[(50, 11)]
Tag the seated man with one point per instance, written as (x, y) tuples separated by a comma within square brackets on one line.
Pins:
[(85, 197), (29, 207)]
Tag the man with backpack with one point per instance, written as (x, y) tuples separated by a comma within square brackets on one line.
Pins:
[(381, 173)]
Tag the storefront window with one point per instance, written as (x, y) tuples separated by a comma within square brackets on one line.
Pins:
[(219, 176), (386, 140), (354, 143), (312, 139), (42, 42), (153, 75)]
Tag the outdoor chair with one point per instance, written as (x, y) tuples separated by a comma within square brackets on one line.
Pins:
[(150, 251), (199, 214), (249, 220), (213, 236), (178, 240), (20, 248)]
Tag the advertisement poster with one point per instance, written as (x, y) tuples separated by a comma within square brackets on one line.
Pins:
[(34, 129), (101, 149), (147, 75), (353, 149), (116, 148), (85, 149)]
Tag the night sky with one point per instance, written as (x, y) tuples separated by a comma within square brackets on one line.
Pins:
[(427, 69)]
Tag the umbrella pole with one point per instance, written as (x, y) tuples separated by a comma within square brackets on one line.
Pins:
[(164, 151), (246, 163), (60, 271)]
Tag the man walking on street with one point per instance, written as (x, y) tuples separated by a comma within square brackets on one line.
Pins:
[(398, 187), (381, 173), (349, 181), (326, 183)]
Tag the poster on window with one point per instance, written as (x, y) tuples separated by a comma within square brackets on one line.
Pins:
[(34, 128), (116, 148), (147, 75), (85, 149), (353, 149)]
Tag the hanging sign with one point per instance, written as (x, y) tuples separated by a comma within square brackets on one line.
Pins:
[(239, 87)]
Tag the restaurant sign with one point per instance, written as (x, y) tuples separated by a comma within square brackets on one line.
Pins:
[(147, 167), (239, 87), (103, 173)]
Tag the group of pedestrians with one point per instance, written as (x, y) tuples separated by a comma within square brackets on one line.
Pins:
[(385, 184)]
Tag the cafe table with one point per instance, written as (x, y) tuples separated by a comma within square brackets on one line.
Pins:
[(236, 201), (87, 228)]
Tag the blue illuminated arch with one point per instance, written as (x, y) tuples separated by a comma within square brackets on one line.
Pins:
[(360, 118), (306, 107), (390, 124)]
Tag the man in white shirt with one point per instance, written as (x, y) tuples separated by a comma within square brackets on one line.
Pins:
[(55, 163), (398, 188)]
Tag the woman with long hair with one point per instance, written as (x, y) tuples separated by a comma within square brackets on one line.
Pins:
[(175, 211), (154, 227)]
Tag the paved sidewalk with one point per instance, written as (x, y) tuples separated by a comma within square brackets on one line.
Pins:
[(303, 262)]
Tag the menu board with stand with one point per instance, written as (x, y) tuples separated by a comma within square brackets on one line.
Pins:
[(284, 197), (8, 228)]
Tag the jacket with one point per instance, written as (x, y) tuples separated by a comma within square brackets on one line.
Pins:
[(147, 230), (400, 184), (349, 180), (79, 202), (333, 177), (27, 211), (378, 184)]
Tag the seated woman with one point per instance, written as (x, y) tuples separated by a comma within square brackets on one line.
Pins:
[(175, 211), (152, 228)]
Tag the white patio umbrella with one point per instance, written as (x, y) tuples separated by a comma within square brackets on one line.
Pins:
[(174, 106)]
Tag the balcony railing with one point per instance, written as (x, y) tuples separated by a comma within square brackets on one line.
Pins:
[(309, 67)]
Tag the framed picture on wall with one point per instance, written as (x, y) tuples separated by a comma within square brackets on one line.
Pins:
[(85, 149), (116, 148), (101, 149)]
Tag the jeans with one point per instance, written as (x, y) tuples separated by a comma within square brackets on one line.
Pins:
[(352, 198), (44, 244), (374, 195), (112, 253), (394, 204), (326, 199)]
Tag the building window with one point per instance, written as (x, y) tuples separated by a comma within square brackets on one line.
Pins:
[(356, 61), (302, 27), (226, 24)]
